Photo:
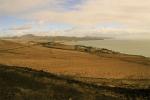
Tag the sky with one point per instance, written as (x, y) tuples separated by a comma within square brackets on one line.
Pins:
[(122, 19)]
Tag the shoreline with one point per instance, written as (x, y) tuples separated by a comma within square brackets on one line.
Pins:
[(96, 51), (131, 47)]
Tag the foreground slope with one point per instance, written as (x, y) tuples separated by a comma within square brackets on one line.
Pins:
[(18, 83)]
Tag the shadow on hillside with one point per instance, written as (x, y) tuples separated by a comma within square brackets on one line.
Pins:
[(18, 83)]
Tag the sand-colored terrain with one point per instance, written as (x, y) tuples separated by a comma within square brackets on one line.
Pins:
[(71, 62)]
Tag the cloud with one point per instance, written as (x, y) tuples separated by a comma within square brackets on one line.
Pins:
[(12, 7), (132, 15), (24, 27), (92, 12)]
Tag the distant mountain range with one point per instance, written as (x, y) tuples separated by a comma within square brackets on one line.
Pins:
[(56, 38)]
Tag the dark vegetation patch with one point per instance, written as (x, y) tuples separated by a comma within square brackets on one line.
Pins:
[(18, 83)]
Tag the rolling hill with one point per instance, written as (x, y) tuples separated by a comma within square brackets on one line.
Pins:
[(74, 62)]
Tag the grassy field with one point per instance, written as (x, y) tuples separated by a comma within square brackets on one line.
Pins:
[(19, 83), (54, 71), (74, 63)]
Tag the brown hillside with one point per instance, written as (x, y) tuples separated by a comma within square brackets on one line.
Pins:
[(72, 62)]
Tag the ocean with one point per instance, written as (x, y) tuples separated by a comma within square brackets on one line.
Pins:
[(134, 47)]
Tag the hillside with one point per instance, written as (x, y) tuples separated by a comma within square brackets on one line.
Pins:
[(74, 62), (18, 83)]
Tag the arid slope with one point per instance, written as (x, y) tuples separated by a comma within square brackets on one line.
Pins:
[(70, 62)]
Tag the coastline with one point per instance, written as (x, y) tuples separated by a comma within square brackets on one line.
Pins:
[(131, 47)]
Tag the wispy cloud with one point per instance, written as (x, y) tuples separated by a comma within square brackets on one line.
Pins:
[(24, 27)]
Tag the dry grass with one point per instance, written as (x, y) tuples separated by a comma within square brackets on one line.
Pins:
[(71, 62), (18, 83)]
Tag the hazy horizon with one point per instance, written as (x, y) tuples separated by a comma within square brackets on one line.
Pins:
[(121, 19)]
